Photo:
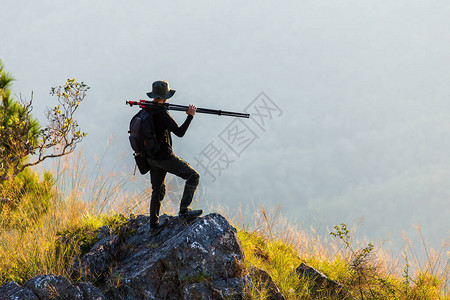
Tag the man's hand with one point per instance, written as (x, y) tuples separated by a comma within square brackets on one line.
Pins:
[(191, 110)]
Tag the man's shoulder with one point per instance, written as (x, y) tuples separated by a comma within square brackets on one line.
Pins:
[(163, 118), (158, 111)]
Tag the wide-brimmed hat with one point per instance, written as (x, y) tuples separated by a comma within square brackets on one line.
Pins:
[(161, 89)]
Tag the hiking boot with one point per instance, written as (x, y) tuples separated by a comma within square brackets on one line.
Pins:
[(158, 226), (190, 213), (154, 225)]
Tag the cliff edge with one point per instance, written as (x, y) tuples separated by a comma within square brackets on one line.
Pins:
[(184, 259)]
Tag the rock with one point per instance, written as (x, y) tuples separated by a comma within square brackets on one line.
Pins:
[(184, 258), (318, 278), (53, 287), (5, 201), (263, 280), (222, 289), (103, 232), (12, 290), (90, 292), (50, 287), (97, 261)]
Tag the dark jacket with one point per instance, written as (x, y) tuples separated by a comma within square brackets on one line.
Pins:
[(164, 125)]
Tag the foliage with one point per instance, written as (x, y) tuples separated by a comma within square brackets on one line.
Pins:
[(79, 238), (278, 246), (359, 271), (21, 135), (25, 198), (28, 231), (47, 242), (42, 236), (84, 235), (368, 282), (42, 211), (363, 270)]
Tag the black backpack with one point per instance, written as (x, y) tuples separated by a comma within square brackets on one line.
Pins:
[(143, 139)]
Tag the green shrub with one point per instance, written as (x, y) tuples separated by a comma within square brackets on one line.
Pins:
[(25, 199), (358, 270)]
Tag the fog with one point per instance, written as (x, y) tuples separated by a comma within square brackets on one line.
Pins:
[(360, 91)]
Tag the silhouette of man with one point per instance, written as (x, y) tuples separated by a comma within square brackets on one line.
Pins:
[(165, 161)]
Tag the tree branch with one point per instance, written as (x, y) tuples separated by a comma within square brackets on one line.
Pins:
[(21, 135)]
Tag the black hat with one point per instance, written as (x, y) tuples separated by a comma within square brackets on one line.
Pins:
[(161, 89)]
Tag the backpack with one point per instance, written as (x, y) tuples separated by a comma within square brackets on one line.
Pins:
[(143, 139)]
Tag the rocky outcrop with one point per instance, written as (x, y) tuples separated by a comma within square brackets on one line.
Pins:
[(184, 259), (318, 278), (12, 290), (50, 287), (96, 263), (263, 281), (177, 261), (5, 200), (321, 282)]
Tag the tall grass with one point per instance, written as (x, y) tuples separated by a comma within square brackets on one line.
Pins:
[(38, 210), (29, 224), (71, 201), (279, 247)]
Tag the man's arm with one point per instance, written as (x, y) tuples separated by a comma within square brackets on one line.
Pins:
[(181, 130)]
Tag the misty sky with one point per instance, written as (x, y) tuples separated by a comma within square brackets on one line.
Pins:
[(362, 90)]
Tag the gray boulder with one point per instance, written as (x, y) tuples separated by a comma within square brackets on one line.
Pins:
[(322, 282), (97, 261), (90, 292), (5, 201), (53, 287), (12, 290), (222, 289), (50, 287), (183, 259), (263, 280), (318, 278)]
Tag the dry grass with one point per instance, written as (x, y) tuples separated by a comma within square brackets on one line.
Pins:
[(30, 223), (279, 247), (40, 208)]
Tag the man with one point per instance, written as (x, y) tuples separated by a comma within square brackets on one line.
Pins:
[(165, 160)]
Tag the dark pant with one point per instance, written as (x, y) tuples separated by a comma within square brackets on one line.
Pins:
[(158, 171)]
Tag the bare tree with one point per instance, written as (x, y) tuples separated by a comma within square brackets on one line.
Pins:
[(21, 137)]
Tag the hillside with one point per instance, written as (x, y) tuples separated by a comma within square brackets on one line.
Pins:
[(54, 245), (185, 259)]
